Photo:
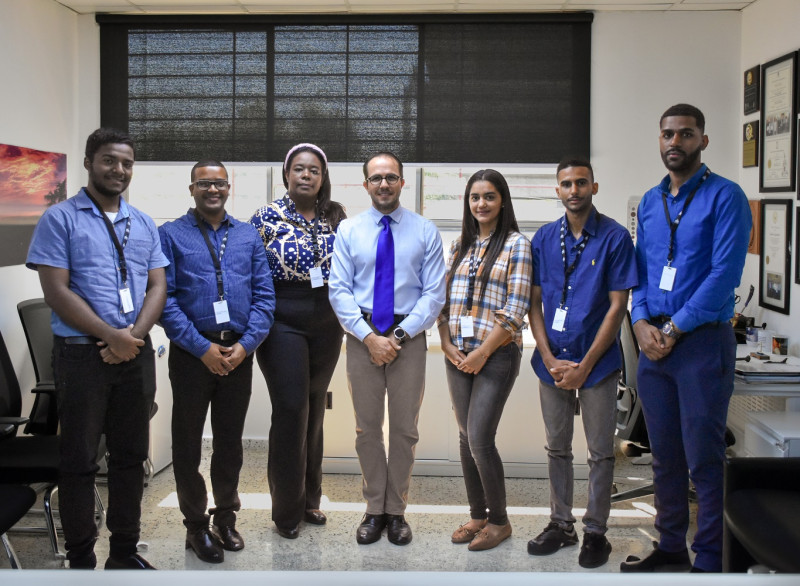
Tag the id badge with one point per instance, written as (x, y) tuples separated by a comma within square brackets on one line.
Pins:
[(316, 277), (221, 311), (667, 279), (559, 318), (125, 299), (467, 326)]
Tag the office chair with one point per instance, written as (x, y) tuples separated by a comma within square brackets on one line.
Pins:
[(29, 459), (15, 502), (35, 317)]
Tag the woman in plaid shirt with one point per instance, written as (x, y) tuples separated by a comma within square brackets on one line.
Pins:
[(488, 295)]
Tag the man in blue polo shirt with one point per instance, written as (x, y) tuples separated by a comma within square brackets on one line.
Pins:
[(102, 272), (691, 241), (220, 303), (583, 267)]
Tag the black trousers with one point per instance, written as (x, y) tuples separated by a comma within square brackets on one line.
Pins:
[(194, 389), (298, 359), (96, 398)]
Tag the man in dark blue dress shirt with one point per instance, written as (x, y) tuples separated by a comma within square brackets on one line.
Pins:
[(583, 267), (220, 302), (692, 237)]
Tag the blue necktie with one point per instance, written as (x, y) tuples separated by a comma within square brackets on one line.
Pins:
[(383, 293)]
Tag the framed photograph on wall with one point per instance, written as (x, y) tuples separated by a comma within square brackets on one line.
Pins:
[(774, 273), (778, 124)]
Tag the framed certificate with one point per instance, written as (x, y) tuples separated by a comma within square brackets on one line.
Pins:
[(778, 124), (776, 255)]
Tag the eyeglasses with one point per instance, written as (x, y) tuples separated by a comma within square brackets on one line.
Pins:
[(205, 184), (376, 180)]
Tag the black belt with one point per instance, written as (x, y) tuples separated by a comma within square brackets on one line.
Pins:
[(79, 339), (222, 335), (660, 320), (397, 317)]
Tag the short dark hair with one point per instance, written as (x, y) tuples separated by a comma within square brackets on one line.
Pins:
[(206, 163), (685, 110), (389, 154), (103, 136), (575, 162)]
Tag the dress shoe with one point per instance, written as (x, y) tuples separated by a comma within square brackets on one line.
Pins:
[(370, 529), (130, 562), (229, 538), (464, 533), (658, 561), (315, 517), (205, 545), (399, 531), (288, 532), (490, 537)]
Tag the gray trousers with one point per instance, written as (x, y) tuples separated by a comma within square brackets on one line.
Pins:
[(598, 411), (386, 479)]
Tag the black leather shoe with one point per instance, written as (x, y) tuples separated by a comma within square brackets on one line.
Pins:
[(229, 538), (129, 562), (658, 561), (370, 529), (288, 532), (205, 545), (399, 531), (315, 517)]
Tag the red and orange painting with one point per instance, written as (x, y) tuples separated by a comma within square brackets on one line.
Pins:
[(30, 182)]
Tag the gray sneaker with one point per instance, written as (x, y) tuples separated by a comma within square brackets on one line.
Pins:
[(553, 538)]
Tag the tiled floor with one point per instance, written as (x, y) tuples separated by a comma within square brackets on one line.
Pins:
[(438, 506)]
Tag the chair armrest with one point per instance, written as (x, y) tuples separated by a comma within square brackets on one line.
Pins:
[(9, 425), (46, 388), (7, 430)]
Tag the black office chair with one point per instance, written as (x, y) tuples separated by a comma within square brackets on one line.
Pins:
[(15, 502), (29, 459), (35, 317), (631, 428)]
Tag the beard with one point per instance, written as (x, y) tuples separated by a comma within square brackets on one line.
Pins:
[(106, 191), (688, 162)]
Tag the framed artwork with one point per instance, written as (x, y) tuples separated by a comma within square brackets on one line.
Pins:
[(774, 272), (30, 182), (750, 144), (778, 124), (752, 93)]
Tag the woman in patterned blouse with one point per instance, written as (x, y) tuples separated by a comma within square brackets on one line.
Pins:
[(300, 354), (488, 295)]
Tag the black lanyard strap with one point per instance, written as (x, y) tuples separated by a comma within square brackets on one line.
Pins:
[(123, 267), (474, 264), (216, 259), (673, 224), (568, 270)]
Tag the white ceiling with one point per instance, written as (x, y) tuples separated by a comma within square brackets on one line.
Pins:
[(387, 6)]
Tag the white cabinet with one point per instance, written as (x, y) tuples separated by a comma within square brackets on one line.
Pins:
[(772, 434)]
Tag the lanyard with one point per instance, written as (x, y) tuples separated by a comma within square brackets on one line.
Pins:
[(474, 264), (217, 260), (123, 267), (673, 224), (571, 269)]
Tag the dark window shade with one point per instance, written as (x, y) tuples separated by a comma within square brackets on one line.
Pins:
[(439, 90)]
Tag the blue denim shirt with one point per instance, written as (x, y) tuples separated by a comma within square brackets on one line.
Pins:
[(192, 283), (73, 235)]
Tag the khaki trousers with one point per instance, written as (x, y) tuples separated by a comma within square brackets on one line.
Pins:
[(386, 479)]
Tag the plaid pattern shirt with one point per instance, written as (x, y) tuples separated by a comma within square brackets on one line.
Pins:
[(506, 299)]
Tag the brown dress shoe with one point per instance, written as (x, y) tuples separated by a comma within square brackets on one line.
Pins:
[(490, 536), (464, 534), (315, 517)]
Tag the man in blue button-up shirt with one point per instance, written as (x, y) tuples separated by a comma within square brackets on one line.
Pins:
[(389, 362), (583, 267), (101, 270), (692, 236), (220, 303)]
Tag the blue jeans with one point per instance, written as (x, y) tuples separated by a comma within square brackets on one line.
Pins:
[(599, 410), (685, 398), (478, 401)]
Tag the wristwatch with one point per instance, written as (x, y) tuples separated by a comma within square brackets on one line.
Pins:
[(399, 335), (671, 330)]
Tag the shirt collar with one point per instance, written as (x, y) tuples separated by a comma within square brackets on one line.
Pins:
[(82, 201), (193, 219), (396, 215), (686, 187), (590, 227)]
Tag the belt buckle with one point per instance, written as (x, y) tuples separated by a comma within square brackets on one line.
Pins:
[(226, 334)]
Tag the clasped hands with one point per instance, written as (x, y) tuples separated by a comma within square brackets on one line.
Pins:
[(122, 346), (470, 363), (652, 341)]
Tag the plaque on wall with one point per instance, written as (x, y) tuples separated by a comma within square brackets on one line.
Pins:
[(752, 91), (750, 144)]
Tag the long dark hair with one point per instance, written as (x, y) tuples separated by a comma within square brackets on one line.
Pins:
[(332, 211), (506, 223)]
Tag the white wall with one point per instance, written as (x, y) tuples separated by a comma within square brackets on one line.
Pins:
[(769, 30), (40, 73)]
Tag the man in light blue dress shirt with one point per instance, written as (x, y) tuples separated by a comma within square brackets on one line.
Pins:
[(389, 362)]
